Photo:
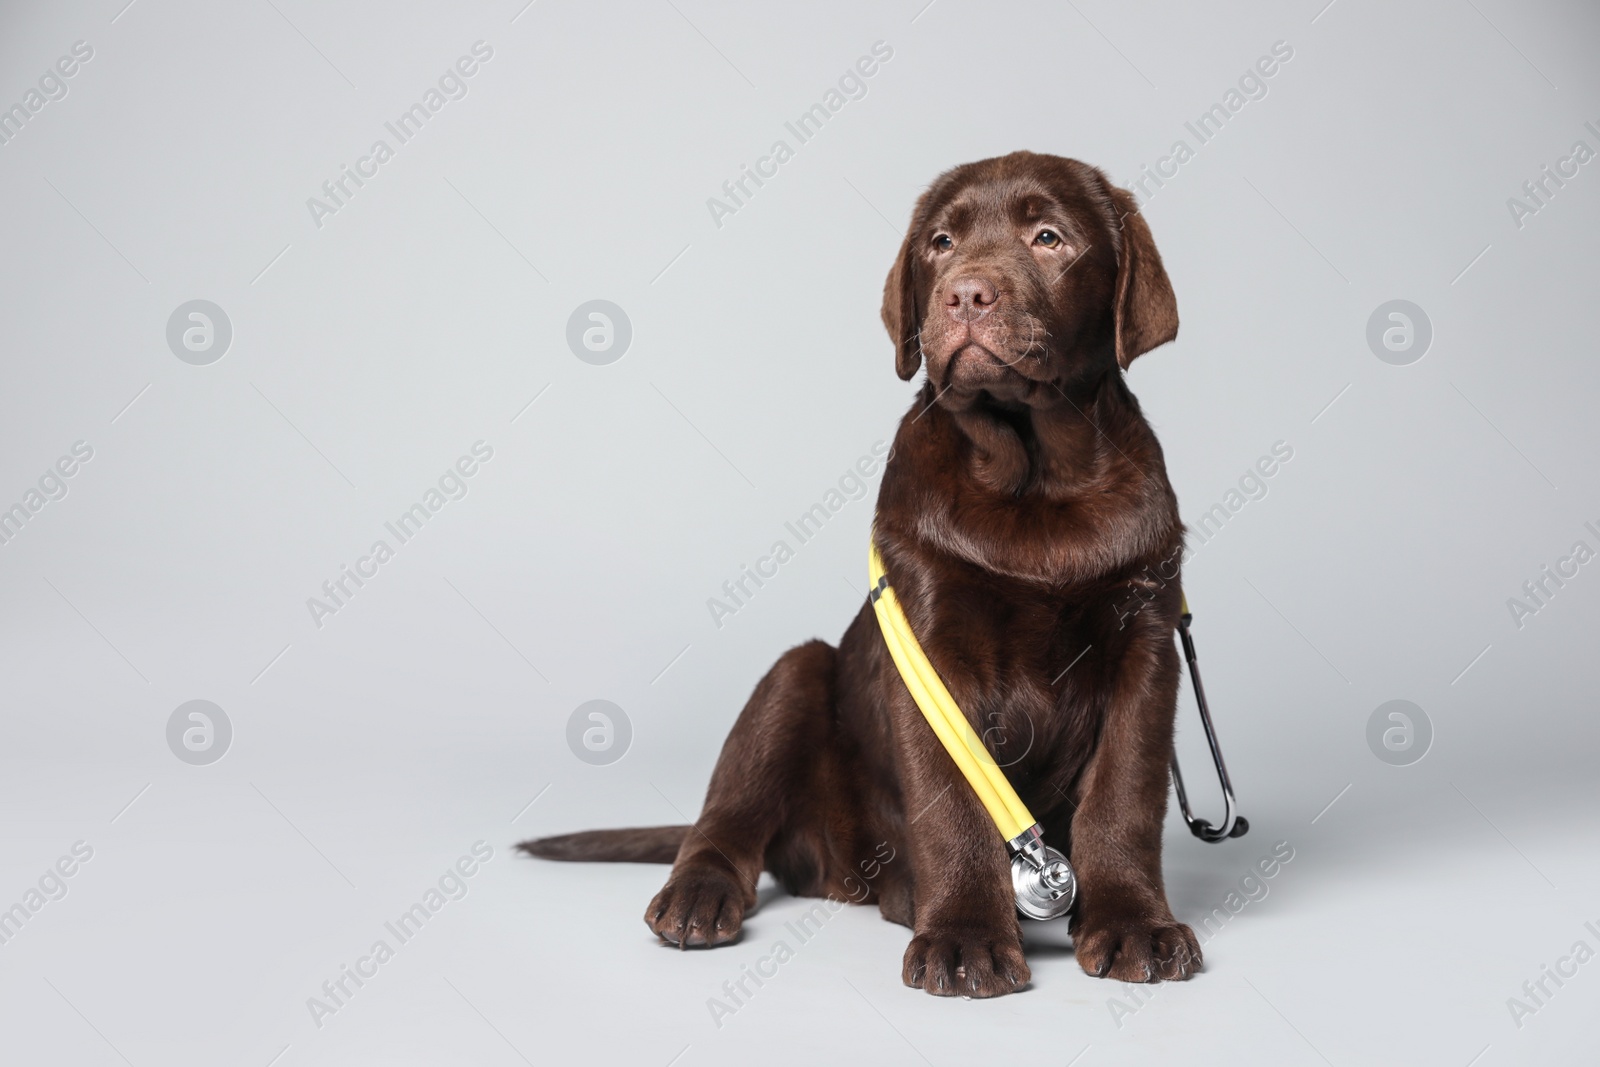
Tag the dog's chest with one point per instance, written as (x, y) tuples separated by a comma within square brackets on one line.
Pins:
[(1023, 665)]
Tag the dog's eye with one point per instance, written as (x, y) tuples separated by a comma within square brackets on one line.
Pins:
[(1048, 238), (942, 242)]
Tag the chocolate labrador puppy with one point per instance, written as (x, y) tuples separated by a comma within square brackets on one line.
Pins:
[(1023, 519)]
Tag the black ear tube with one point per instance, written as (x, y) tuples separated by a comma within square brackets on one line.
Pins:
[(1233, 824)]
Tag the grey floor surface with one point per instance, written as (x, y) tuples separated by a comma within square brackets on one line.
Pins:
[(227, 368)]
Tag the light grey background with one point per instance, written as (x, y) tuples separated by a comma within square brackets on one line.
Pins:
[(368, 354)]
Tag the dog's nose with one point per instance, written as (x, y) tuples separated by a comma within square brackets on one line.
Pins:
[(970, 298)]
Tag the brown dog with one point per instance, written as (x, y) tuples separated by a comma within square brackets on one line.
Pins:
[(1024, 508)]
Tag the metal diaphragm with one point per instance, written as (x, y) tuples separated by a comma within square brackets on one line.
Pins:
[(1043, 890)]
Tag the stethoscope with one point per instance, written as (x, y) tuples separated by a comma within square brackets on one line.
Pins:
[(1042, 881), (1233, 824)]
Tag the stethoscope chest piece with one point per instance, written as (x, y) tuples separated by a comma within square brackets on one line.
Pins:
[(1044, 886)]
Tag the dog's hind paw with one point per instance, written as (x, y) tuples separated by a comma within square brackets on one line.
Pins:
[(701, 906)]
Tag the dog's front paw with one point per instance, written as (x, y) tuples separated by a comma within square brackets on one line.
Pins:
[(1136, 948), (700, 906), (965, 964)]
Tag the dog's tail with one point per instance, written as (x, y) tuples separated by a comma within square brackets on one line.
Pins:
[(649, 844)]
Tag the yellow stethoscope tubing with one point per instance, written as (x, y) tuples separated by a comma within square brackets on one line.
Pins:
[(988, 781)]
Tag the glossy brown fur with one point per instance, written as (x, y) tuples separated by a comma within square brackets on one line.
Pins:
[(1024, 508)]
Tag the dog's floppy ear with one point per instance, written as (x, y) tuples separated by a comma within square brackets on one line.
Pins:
[(1146, 313), (901, 316)]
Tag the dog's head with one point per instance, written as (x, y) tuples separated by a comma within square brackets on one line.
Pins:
[(1023, 272)]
